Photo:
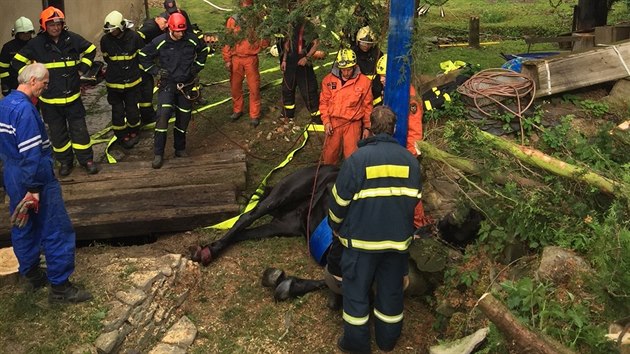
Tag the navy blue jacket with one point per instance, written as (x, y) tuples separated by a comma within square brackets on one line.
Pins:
[(374, 197)]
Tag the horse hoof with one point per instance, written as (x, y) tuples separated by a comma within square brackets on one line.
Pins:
[(283, 290), (272, 277), (200, 254)]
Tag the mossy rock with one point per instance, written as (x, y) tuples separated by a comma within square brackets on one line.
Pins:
[(429, 255)]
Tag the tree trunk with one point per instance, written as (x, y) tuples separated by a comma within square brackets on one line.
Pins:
[(527, 341), (591, 13)]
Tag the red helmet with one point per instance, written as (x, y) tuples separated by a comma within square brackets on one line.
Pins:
[(177, 22), (50, 14)]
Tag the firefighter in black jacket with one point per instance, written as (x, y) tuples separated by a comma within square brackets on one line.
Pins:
[(23, 32), (67, 56), (150, 29), (120, 47), (371, 214), (368, 54), (181, 56)]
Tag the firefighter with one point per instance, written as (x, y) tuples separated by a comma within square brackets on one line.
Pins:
[(67, 56), (120, 47), (181, 56), (371, 214), (241, 60), (170, 7), (150, 29), (346, 104), (414, 133), (23, 31), (297, 68), (38, 217), (368, 54)]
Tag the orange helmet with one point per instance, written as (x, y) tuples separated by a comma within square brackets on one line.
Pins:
[(177, 22), (51, 14)]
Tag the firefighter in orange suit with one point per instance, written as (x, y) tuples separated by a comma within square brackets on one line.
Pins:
[(345, 104), (414, 133), (241, 60)]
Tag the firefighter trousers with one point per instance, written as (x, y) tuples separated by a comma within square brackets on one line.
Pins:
[(145, 101), (170, 99), (346, 135), (360, 270), (245, 67), (125, 111), (68, 131), (303, 77)]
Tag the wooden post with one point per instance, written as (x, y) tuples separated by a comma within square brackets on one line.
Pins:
[(473, 32)]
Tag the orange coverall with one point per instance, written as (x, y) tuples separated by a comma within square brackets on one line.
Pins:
[(347, 108), (244, 64)]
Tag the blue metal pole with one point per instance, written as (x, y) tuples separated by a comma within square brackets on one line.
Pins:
[(399, 64)]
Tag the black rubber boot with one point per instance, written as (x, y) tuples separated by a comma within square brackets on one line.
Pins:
[(158, 161), (67, 293), (35, 279), (65, 169)]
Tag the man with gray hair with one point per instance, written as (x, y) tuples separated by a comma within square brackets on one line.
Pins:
[(38, 214), (371, 214)]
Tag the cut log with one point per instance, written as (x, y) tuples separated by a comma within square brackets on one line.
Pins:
[(469, 166), (568, 72), (527, 341), (539, 159), (133, 199), (621, 133)]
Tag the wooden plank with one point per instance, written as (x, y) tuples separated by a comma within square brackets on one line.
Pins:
[(576, 70), (132, 199)]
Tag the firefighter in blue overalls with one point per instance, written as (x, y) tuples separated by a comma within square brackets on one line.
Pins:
[(67, 56), (38, 215), (181, 56), (371, 213), (120, 47)]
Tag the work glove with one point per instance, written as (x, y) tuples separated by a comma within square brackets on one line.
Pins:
[(20, 215), (162, 78)]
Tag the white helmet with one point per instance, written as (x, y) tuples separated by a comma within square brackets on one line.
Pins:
[(274, 51), (366, 35), (23, 25), (114, 20)]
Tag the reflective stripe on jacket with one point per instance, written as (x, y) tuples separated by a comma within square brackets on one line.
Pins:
[(121, 56), (374, 197), (63, 59), (183, 59)]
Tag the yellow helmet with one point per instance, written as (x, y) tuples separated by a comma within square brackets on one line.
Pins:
[(346, 58), (381, 65), (365, 35)]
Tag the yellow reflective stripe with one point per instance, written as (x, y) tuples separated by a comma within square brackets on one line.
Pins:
[(388, 192), (161, 130), (437, 92), (182, 110), (142, 54), (383, 171), (21, 58), (355, 321), (90, 49), (145, 104), (134, 125), (200, 64), (371, 77), (3, 75), (63, 148), (340, 201), (179, 130), (60, 64), (123, 86), (434, 89), (166, 105), (82, 146), (123, 57), (141, 35), (61, 100), (119, 127), (315, 113), (427, 105), (377, 100), (447, 97), (193, 42), (388, 319), (289, 106), (4, 65), (86, 61), (334, 217), (378, 245), (312, 127), (160, 44)]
